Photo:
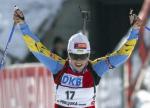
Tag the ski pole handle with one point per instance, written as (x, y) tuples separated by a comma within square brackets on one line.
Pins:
[(16, 7), (19, 13)]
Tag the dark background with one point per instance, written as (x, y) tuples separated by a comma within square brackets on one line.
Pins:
[(109, 23)]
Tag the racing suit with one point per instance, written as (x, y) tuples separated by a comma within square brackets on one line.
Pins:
[(74, 89)]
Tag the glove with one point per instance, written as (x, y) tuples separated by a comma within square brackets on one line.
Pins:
[(18, 16), (135, 20)]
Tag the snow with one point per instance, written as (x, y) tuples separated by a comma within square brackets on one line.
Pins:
[(35, 11)]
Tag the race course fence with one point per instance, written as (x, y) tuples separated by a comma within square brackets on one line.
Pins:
[(26, 86)]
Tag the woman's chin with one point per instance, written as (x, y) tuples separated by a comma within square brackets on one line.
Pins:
[(79, 68)]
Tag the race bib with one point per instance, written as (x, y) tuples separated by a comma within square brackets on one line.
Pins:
[(75, 97)]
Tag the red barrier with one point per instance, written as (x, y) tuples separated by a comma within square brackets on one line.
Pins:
[(26, 86)]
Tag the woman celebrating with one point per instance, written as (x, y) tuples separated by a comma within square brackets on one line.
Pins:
[(77, 77)]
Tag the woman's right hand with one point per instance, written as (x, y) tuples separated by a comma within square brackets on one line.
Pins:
[(18, 16)]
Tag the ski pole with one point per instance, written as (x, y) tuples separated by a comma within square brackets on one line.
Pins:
[(85, 17), (147, 28), (8, 42), (6, 48)]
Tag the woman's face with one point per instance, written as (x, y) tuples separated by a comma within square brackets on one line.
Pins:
[(79, 64)]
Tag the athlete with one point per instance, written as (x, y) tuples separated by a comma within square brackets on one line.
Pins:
[(76, 78)]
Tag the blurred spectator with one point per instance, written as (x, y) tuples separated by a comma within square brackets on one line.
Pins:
[(59, 47)]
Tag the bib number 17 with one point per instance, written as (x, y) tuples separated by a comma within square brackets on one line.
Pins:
[(70, 94)]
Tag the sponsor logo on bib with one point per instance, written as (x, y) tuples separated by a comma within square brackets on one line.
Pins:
[(71, 80)]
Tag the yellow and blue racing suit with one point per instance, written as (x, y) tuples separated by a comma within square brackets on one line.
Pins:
[(56, 64)]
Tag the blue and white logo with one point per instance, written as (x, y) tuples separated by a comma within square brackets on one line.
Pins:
[(71, 80)]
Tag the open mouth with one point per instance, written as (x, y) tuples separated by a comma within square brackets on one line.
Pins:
[(78, 64)]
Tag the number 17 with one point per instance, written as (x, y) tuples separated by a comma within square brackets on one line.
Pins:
[(70, 94)]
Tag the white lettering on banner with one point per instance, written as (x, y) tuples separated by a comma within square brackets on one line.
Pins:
[(71, 80)]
